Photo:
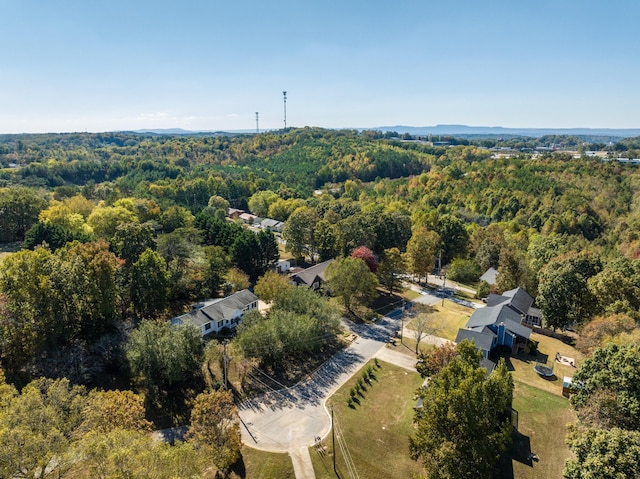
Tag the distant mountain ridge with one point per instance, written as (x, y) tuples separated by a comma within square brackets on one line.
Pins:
[(499, 130), (442, 130)]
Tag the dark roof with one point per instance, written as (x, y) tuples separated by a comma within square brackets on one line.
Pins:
[(307, 276), (490, 276), (482, 339), (520, 299), (501, 313), (219, 309), (488, 365)]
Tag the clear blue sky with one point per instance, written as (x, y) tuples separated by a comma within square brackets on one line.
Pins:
[(75, 65)]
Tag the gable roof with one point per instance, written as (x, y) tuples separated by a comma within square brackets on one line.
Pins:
[(307, 276), (494, 315), (482, 339), (218, 309), (490, 276), (520, 299)]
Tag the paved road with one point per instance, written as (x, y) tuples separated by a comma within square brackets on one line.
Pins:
[(289, 419)]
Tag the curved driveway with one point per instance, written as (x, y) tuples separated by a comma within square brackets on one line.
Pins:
[(292, 418)]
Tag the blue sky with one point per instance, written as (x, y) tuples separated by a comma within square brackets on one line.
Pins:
[(76, 65)]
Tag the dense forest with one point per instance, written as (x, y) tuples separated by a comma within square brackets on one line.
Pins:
[(119, 232)]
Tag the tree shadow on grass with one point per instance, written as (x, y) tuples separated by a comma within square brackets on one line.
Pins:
[(520, 451), (239, 468)]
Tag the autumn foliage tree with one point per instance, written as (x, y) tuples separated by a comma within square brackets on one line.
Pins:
[(215, 428), (366, 255)]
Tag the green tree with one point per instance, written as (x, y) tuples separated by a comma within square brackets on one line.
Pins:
[(104, 220), (271, 285), (106, 411), (131, 240), (421, 251), (53, 235), (563, 295), (603, 454), (134, 454), (299, 232), (218, 263), (235, 280), (160, 355), (19, 209), (260, 202), (326, 238), (351, 280), (464, 428), (37, 426), (149, 284), (391, 267), (463, 270), (215, 428), (609, 395)]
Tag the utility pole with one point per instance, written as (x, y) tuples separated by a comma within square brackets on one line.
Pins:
[(284, 94), (444, 283), (257, 127), (224, 360), (333, 441)]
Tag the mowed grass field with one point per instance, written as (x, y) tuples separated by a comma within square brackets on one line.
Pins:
[(375, 433), (257, 464), (443, 320), (543, 413)]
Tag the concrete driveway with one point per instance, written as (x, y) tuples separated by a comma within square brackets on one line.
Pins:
[(289, 419)]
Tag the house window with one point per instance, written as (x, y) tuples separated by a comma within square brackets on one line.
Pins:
[(219, 324), (226, 321), (207, 326)]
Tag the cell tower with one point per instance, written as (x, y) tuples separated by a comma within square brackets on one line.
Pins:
[(284, 94), (257, 124)]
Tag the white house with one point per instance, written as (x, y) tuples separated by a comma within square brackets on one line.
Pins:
[(272, 225), (212, 316)]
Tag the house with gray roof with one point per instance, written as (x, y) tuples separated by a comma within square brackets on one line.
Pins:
[(490, 276), (493, 326), (312, 277), (212, 316), (272, 225), (521, 302)]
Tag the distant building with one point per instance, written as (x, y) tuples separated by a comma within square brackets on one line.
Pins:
[(234, 213), (212, 316), (490, 276), (272, 225), (312, 277), (248, 218)]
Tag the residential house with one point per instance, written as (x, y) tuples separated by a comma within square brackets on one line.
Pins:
[(234, 213), (272, 225), (490, 276), (494, 326), (282, 266), (212, 316), (248, 218), (312, 277), (520, 301)]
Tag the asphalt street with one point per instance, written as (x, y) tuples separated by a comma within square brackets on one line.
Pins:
[(291, 418)]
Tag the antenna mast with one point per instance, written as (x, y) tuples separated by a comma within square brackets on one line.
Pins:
[(284, 94), (257, 124)]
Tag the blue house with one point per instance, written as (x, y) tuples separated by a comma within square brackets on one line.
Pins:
[(494, 326)]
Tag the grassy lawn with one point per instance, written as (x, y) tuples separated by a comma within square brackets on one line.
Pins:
[(543, 413), (542, 427), (408, 346), (522, 365), (443, 320), (256, 464), (376, 432)]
